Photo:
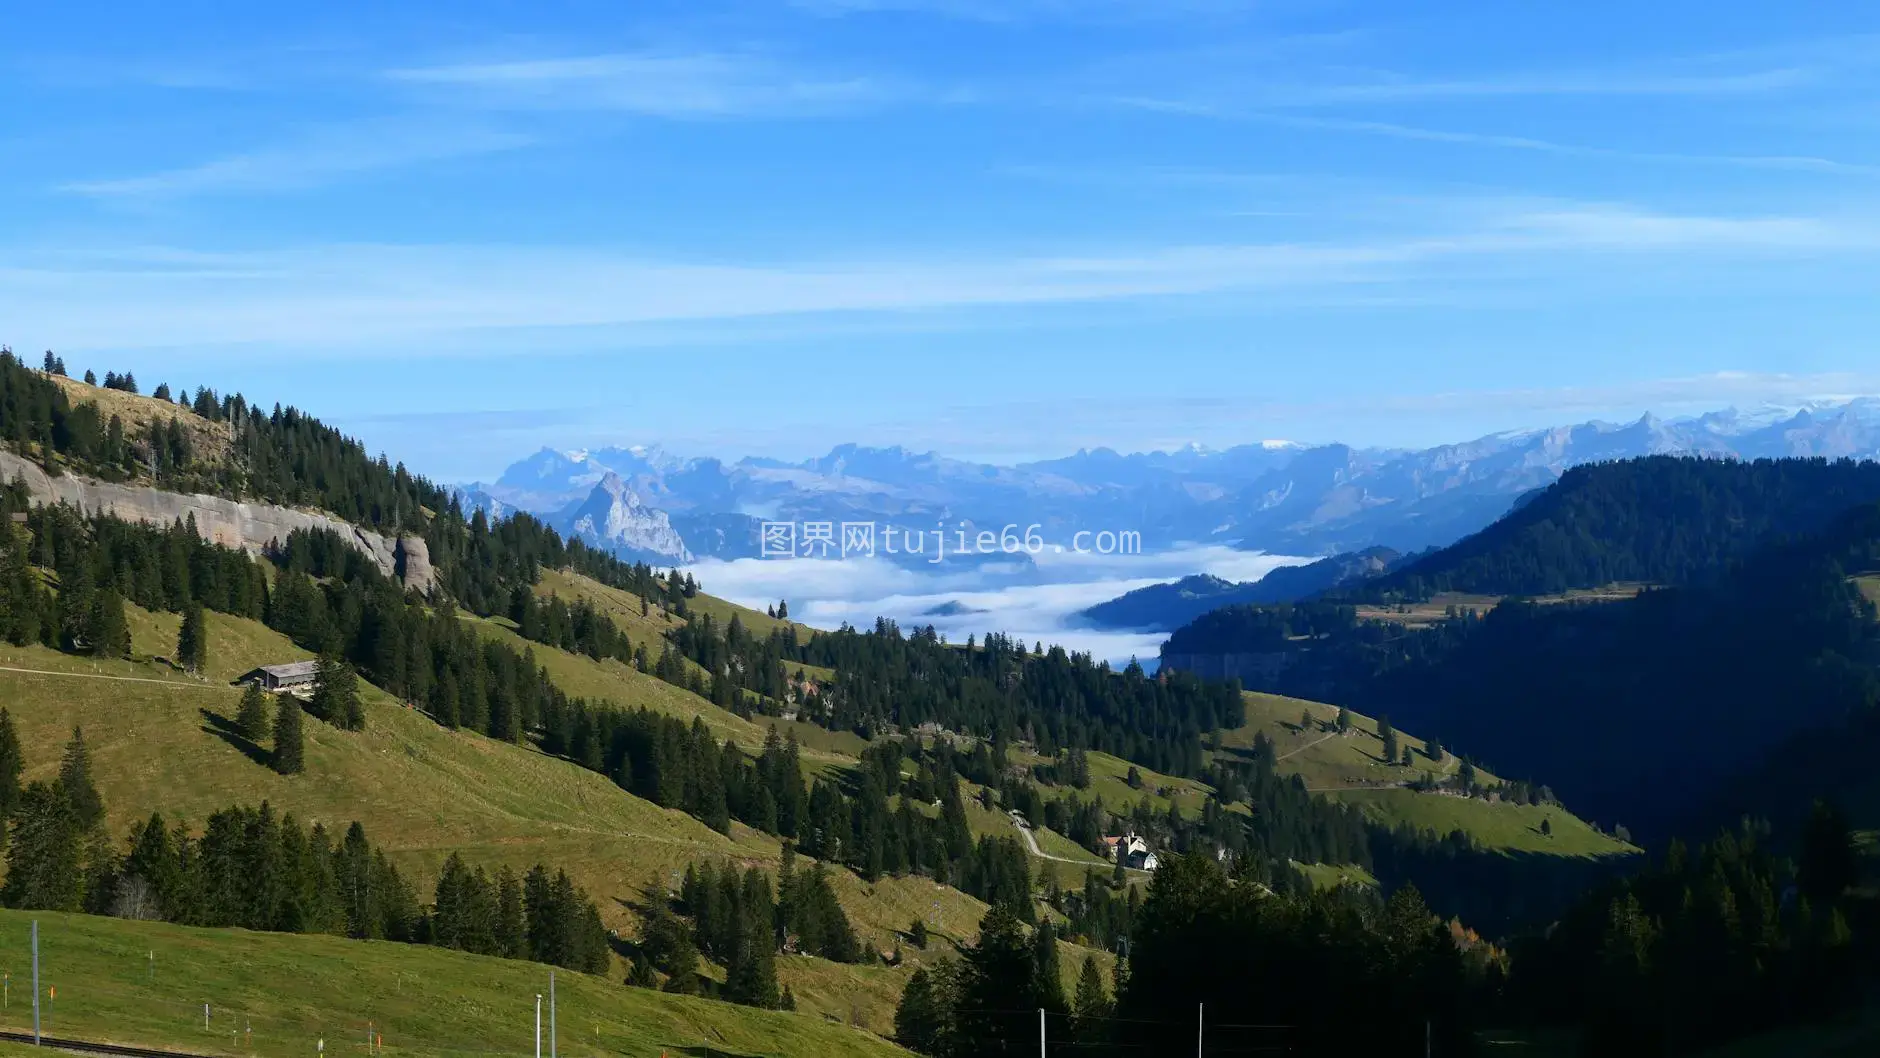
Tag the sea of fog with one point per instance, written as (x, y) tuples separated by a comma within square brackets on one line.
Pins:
[(1033, 601)]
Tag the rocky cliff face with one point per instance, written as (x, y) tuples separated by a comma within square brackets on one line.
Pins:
[(250, 526), (612, 518)]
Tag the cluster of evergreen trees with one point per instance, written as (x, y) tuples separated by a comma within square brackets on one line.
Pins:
[(1711, 943), (997, 687), (542, 918), (1277, 971), (100, 563), (986, 1002), (253, 868)]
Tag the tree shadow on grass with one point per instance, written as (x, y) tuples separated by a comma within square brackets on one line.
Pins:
[(223, 728), (707, 1051)]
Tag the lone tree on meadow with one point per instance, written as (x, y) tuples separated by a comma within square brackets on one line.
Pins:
[(192, 641), (1389, 735), (252, 718), (1344, 720), (76, 785), (290, 751)]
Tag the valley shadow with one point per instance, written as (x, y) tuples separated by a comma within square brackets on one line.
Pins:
[(707, 1051), (223, 728)]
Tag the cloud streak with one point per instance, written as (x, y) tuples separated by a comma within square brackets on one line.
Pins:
[(695, 85), (326, 155), (346, 295)]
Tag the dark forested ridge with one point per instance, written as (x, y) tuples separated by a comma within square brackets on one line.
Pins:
[(1660, 520), (1633, 710)]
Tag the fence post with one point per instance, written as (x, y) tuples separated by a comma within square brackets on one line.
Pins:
[(35, 982)]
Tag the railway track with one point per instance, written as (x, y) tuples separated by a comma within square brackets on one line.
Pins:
[(83, 1047)]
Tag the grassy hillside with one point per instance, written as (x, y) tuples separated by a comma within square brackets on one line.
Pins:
[(276, 994), (1350, 767), (644, 630), (1440, 605), (159, 740), (1870, 587), (207, 439), (824, 751)]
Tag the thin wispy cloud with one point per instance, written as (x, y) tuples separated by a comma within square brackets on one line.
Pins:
[(323, 156), (699, 85), (346, 295)]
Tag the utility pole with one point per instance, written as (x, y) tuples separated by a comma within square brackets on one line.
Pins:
[(1041, 1051), (538, 1025), (551, 1014), (35, 982), (1201, 1024)]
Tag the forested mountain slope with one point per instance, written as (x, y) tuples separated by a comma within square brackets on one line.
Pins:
[(1661, 520), (1634, 710)]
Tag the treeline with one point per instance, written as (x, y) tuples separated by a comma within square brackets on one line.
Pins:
[(101, 563), (254, 869), (733, 919), (997, 687), (1660, 519)]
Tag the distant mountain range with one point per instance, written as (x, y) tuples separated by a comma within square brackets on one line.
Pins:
[(1277, 497)]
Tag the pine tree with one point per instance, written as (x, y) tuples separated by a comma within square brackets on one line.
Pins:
[(336, 694), (76, 785), (1091, 1008), (44, 866), (1305, 720), (251, 718), (192, 641), (512, 935), (12, 762), (923, 1020), (1047, 977), (1389, 735), (1344, 720), (106, 630), (290, 751)]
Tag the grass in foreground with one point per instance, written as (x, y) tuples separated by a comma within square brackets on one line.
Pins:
[(278, 994)]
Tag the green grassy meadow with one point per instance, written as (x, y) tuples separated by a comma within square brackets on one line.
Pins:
[(145, 983)]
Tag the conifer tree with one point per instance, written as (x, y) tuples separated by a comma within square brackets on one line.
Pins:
[(1047, 977), (44, 866), (1091, 1008), (251, 717), (336, 694), (1344, 720), (290, 751), (923, 1020), (192, 641), (1389, 735), (106, 630), (512, 937), (12, 762), (76, 785)]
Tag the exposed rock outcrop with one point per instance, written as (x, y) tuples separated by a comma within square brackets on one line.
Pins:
[(250, 526), (614, 519)]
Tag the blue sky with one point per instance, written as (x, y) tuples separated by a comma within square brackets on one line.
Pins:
[(1000, 229)]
